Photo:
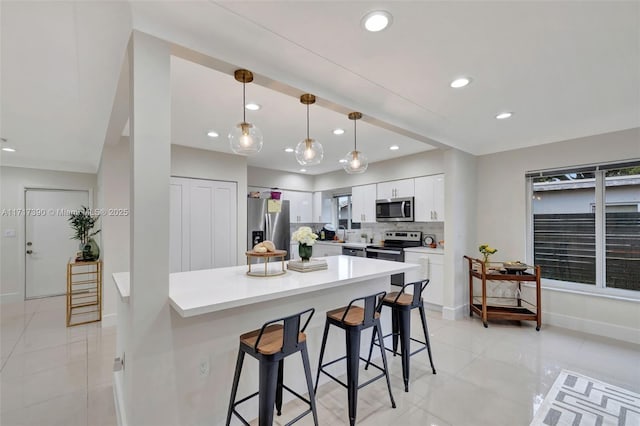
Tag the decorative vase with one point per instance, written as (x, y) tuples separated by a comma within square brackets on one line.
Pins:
[(90, 250), (305, 251)]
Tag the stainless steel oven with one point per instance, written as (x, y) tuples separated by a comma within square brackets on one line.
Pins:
[(395, 210), (393, 249)]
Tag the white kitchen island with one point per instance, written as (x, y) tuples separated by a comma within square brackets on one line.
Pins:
[(211, 308)]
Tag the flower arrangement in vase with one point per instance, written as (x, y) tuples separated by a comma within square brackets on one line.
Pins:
[(306, 239), (486, 251)]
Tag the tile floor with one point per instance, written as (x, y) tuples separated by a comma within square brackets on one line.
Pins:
[(53, 375)]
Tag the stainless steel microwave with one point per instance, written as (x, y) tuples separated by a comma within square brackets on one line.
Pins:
[(395, 210)]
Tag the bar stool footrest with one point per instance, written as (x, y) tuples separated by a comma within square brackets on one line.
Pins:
[(368, 382), (377, 343), (296, 394)]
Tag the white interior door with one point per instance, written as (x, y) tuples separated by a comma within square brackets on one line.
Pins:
[(48, 243)]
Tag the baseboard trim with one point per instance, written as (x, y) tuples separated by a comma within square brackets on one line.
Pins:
[(11, 297), (599, 328), (454, 313), (118, 398), (109, 320)]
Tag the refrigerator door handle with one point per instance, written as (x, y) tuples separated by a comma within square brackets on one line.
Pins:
[(267, 221)]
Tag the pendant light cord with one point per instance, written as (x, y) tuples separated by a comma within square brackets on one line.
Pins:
[(307, 121), (244, 110), (355, 138)]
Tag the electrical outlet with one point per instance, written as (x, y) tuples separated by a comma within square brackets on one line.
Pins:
[(204, 367)]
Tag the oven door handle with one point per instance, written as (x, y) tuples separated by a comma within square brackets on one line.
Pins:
[(369, 250)]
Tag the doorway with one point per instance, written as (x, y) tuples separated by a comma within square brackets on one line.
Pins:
[(48, 243)]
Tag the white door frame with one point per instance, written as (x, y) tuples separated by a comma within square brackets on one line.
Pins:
[(22, 242)]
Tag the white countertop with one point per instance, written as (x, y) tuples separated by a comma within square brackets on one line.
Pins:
[(427, 250), (345, 244), (210, 290)]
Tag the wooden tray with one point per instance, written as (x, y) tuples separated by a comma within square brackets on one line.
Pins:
[(266, 256)]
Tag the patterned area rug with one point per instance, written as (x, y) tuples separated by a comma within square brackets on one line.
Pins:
[(576, 400)]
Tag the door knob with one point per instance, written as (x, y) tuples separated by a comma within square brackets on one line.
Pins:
[(29, 251), (29, 243)]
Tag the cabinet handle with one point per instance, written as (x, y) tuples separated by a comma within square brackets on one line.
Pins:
[(435, 215)]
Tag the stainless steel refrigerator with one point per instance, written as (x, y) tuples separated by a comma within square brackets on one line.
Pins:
[(264, 223)]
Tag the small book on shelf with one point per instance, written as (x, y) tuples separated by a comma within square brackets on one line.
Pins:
[(309, 266)]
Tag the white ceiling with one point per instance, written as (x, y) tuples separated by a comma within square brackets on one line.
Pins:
[(566, 69)]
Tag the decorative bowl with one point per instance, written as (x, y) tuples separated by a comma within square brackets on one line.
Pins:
[(514, 266)]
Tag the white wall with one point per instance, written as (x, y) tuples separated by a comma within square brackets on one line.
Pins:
[(422, 164), (113, 193), (201, 164), (267, 178), (502, 214), (13, 181)]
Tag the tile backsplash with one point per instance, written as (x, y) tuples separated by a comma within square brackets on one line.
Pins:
[(376, 230)]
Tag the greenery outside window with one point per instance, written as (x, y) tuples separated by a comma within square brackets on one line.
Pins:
[(585, 227)]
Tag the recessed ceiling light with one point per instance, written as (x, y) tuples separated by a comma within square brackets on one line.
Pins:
[(377, 20), (342, 160), (338, 131), (460, 82), (289, 150), (504, 115), (212, 134), (252, 106), (7, 149), (303, 170), (394, 147)]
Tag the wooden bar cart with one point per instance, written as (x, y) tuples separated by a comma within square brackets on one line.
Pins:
[(509, 305)]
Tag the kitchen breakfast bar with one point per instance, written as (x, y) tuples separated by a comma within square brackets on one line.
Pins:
[(212, 308)]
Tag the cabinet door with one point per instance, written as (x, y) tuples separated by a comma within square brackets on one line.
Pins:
[(420, 274), (438, 198), (386, 190), (300, 206), (317, 207), (434, 292), (305, 207), (429, 198), (404, 188), (363, 203)]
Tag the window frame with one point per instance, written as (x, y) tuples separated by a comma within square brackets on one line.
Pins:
[(600, 288)]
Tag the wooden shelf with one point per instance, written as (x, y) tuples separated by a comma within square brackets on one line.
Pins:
[(499, 307), (84, 290)]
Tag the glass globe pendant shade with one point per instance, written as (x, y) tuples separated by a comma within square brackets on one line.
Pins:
[(355, 162), (309, 152), (245, 138)]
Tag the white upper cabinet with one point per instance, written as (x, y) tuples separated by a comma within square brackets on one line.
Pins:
[(300, 206), (429, 201), (396, 189), (322, 208), (363, 203)]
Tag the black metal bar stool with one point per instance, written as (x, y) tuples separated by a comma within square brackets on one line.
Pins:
[(353, 319), (270, 345), (401, 304)]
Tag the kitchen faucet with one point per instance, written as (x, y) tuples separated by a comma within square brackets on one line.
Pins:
[(344, 232)]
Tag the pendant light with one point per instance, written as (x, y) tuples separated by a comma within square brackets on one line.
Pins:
[(355, 161), (245, 138), (309, 152)]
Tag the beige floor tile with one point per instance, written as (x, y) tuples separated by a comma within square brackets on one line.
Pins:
[(45, 359), (101, 407)]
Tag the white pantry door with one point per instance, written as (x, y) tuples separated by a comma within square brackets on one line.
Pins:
[(203, 219), (48, 243)]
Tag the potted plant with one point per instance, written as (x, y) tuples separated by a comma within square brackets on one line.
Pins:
[(306, 239), (82, 223)]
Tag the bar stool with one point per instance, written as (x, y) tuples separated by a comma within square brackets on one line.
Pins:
[(270, 345), (401, 304), (353, 319)]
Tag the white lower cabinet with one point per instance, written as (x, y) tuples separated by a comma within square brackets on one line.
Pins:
[(431, 266), (326, 249)]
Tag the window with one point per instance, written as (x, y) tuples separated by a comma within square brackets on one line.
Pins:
[(585, 226), (344, 212)]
